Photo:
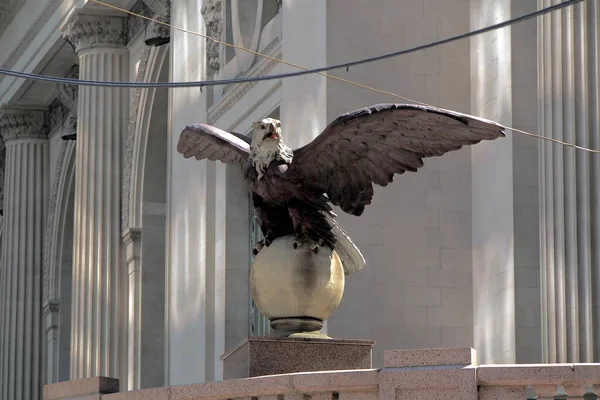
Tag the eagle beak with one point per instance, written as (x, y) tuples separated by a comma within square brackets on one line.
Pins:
[(272, 133)]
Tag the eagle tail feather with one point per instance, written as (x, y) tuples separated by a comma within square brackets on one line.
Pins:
[(351, 257)]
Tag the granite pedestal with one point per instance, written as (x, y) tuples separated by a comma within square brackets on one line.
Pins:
[(259, 356)]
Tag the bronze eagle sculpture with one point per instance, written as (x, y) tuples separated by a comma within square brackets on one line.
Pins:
[(293, 190)]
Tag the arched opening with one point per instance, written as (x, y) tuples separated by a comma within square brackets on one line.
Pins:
[(145, 234), (58, 268), (65, 265), (153, 226)]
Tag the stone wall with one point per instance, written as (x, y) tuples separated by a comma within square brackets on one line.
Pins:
[(416, 236)]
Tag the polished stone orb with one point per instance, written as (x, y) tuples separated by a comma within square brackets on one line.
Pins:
[(296, 289)]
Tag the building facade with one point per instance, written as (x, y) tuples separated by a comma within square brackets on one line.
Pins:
[(120, 258)]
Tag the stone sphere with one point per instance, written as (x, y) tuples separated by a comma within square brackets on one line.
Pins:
[(293, 285)]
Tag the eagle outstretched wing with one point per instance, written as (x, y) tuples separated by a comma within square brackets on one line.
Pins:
[(372, 144), (207, 142)]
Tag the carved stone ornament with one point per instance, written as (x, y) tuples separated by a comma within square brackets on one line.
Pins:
[(22, 124), (128, 149), (159, 7), (136, 24), (2, 163), (158, 34), (213, 19), (68, 94), (86, 29), (50, 307), (56, 115), (69, 127)]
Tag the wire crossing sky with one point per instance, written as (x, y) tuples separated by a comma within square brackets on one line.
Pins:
[(347, 65), (305, 70)]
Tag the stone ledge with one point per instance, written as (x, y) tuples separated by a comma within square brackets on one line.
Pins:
[(81, 387), (464, 382), (429, 357)]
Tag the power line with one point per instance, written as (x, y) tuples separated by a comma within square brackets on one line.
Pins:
[(306, 70), (263, 55), (69, 81), (338, 78)]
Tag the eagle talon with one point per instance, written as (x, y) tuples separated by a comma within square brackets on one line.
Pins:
[(268, 240), (312, 245), (258, 247)]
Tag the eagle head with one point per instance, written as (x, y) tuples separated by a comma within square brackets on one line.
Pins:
[(267, 144), (266, 132)]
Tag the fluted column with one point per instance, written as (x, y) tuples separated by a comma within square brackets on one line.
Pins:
[(99, 277), (25, 195), (568, 52)]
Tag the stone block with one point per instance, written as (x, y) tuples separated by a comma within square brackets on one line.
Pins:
[(259, 356), (81, 387), (429, 357)]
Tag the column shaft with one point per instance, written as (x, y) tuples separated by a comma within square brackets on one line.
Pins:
[(99, 304), (25, 197), (98, 276), (570, 229)]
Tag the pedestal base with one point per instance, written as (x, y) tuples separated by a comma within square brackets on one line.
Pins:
[(259, 356), (298, 327)]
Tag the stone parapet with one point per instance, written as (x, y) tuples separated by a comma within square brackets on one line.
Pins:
[(408, 374)]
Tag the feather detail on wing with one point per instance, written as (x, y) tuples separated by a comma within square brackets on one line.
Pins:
[(351, 257), (372, 144), (207, 142)]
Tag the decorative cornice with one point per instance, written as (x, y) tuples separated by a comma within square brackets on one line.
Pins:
[(11, 10), (87, 29), (18, 123), (250, 110), (213, 19), (234, 93), (24, 44)]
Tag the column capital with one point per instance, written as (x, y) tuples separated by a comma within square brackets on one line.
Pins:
[(88, 29), (22, 123)]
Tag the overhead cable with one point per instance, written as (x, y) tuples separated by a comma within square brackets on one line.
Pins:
[(346, 65)]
